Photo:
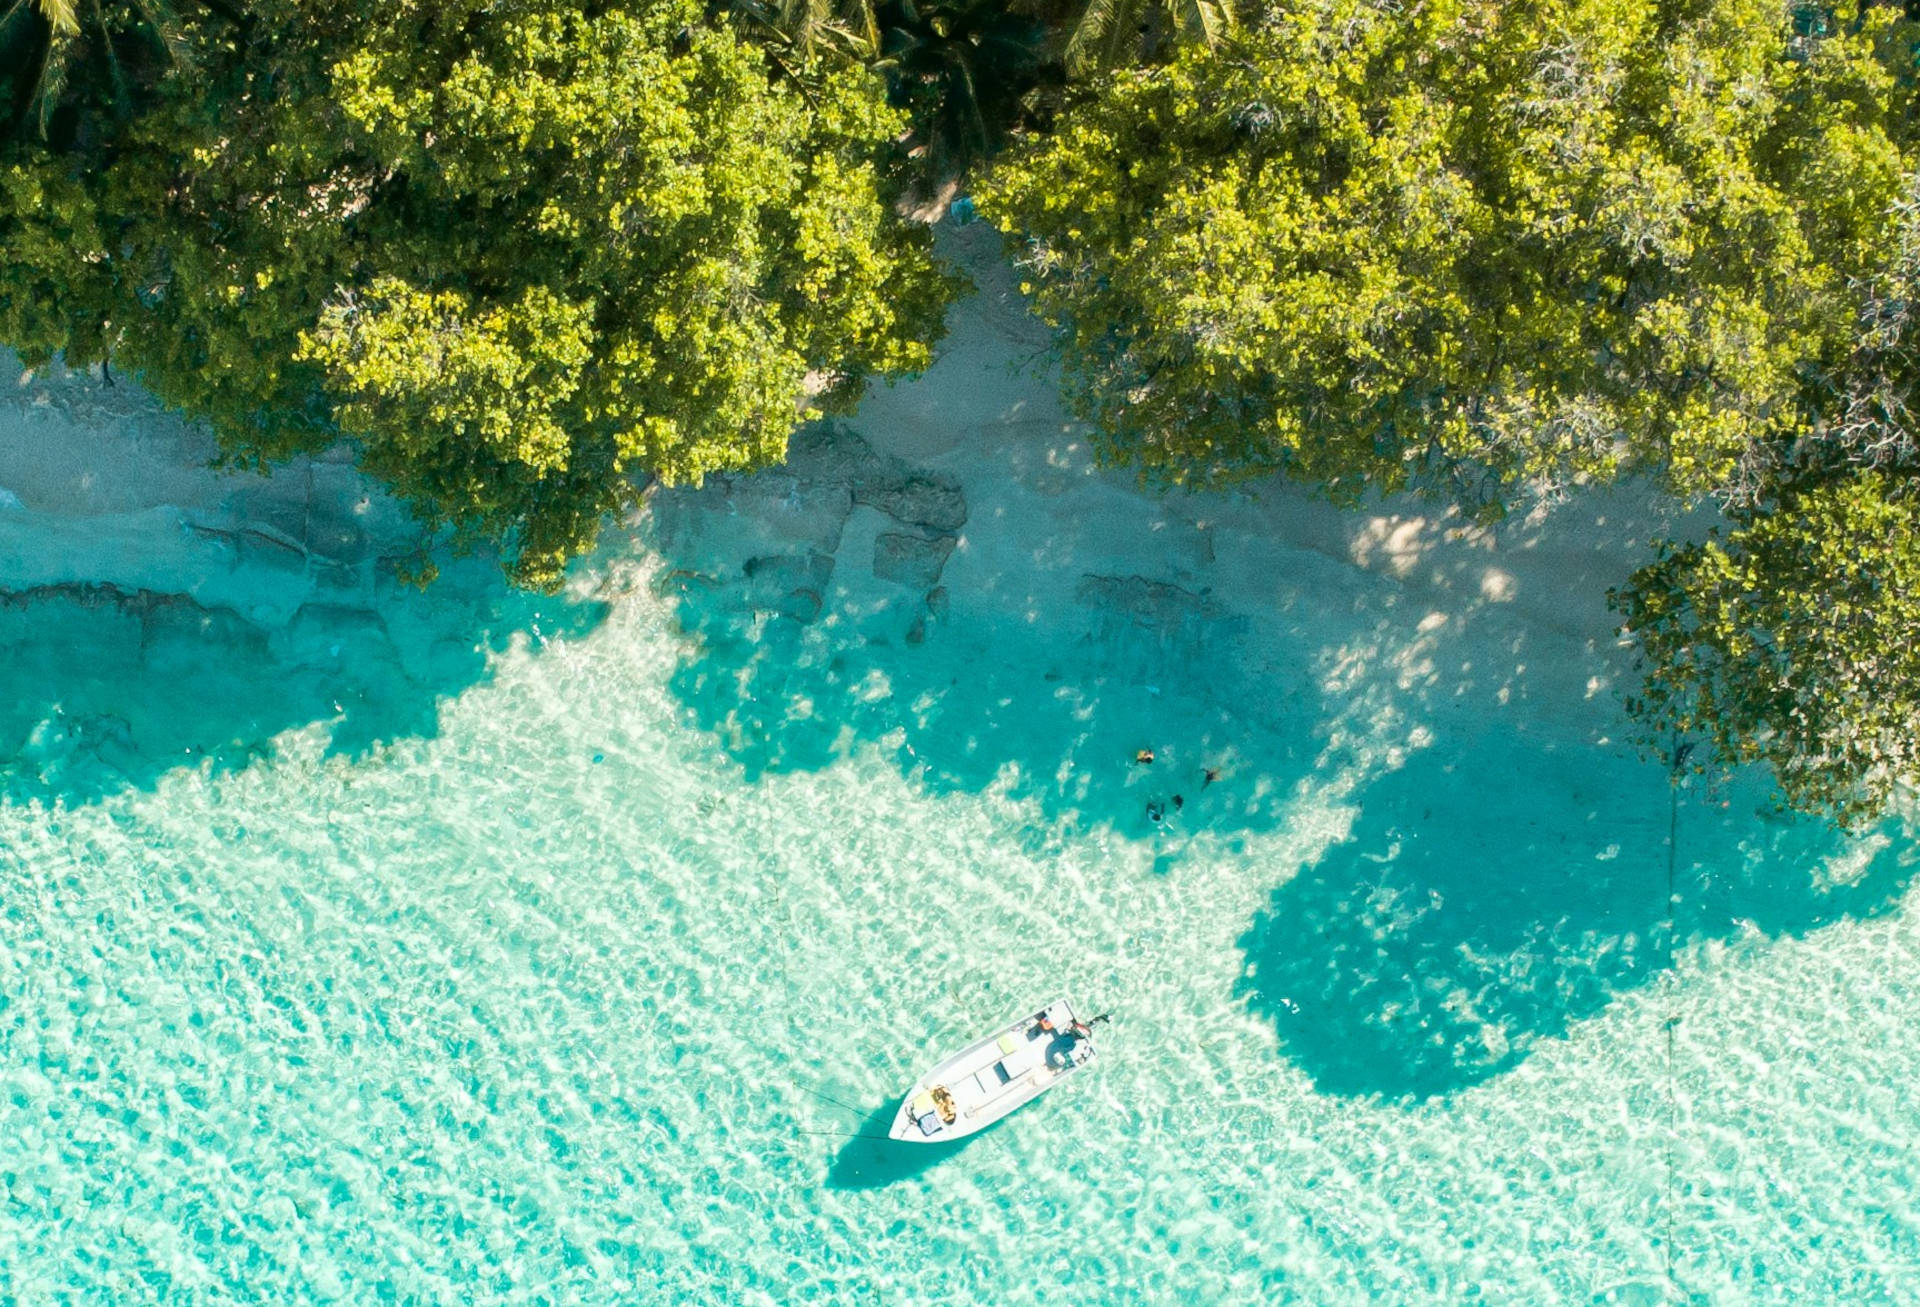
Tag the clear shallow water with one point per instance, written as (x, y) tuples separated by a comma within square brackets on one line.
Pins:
[(576, 989)]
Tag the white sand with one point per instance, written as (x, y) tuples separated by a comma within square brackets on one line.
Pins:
[(98, 484)]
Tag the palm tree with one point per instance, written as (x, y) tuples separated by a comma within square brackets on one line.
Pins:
[(53, 36), (851, 25), (969, 72), (60, 16), (805, 28), (1110, 33)]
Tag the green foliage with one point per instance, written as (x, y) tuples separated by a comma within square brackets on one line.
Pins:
[(1793, 642), (968, 73), (526, 259), (1794, 638), (1484, 250), (1466, 245), (849, 29), (85, 56), (1110, 34)]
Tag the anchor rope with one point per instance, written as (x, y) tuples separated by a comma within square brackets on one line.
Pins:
[(1677, 758)]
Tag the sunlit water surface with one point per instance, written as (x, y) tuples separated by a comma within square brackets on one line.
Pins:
[(587, 983)]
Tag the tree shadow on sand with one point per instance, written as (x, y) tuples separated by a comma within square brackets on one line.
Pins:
[(104, 689), (1493, 892)]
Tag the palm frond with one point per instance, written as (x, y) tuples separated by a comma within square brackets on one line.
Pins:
[(1205, 21), (54, 65), (1091, 43), (801, 21), (63, 16), (866, 24), (1110, 33), (166, 27)]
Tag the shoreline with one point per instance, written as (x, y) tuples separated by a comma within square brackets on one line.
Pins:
[(103, 488)]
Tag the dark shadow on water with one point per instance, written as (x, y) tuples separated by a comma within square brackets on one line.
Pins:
[(1494, 890), (104, 689), (789, 670), (870, 1160), (1492, 893)]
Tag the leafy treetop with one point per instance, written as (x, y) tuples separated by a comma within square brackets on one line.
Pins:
[(1466, 244), (524, 256), (1792, 642), (1480, 248)]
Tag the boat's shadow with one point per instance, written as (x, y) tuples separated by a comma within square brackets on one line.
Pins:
[(870, 1160)]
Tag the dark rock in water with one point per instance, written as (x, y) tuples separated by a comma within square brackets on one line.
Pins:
[(807, 512), (914, 561), (927, 500), (813, 515), (789, 584), (182, 627), (681, 581), (322, 635), (328, 575), (94, 594), (829, 452), (789, 571), (324, 527), (802, 605), (937, 601), (336, 539), (1153, 604), (149, 618)]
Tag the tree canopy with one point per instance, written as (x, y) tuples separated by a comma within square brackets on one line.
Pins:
[(1792, 636), (1466, 244), (1792, 642), (528, 255), (1482, 250), (524, 255)]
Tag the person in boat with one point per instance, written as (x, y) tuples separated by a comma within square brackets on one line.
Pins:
[(1070, 1049), (1042, 1028), (943, 1104)]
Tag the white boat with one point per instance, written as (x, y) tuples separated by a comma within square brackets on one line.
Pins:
[(983, 1082)]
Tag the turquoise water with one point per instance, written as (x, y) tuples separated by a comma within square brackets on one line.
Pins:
[(473, 948)]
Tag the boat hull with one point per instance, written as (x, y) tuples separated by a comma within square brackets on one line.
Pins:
[(994, 1077)]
